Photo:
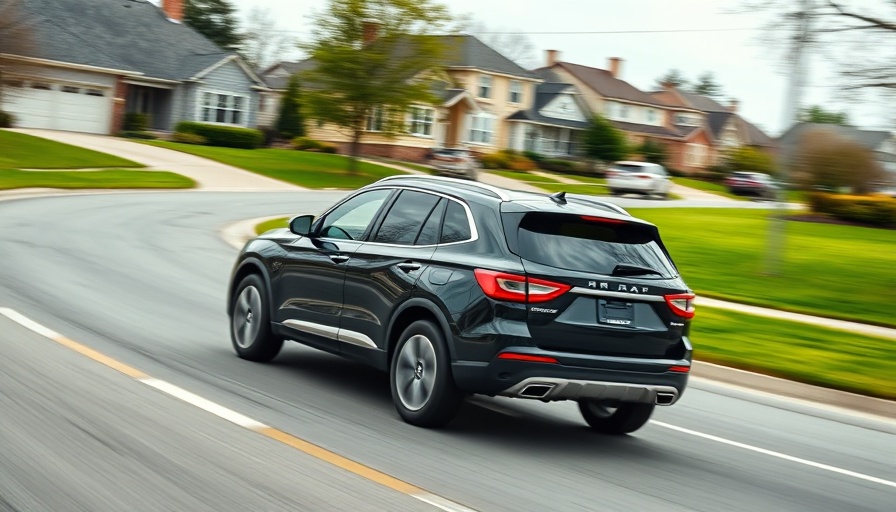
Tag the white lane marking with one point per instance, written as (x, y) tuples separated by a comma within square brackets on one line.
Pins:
[(206, 405), (778, 455), (441, 503), (28, 323)]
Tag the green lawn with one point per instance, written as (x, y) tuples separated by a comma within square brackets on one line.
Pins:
[(796, 351), (523, 176), (706, 186), (303, 168), (280, 222), (106, 178), (20, 151), (829, 270)]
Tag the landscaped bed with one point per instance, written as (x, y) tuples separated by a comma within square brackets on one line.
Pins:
[(303, 168)]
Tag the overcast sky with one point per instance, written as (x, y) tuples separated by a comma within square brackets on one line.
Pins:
[(742, 64)]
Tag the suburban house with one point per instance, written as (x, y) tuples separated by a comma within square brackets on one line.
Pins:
[(724, 126), (484, 89), (639, 115), (552, 126), (94, 60), (881, 143)]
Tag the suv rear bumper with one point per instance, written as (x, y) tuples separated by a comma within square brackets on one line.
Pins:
[(576, 376)]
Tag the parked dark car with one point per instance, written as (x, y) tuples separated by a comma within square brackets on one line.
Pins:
[(454, 162), (456, 287), (752, 184)]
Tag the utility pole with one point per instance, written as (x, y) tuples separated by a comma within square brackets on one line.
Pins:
[(793, 101)]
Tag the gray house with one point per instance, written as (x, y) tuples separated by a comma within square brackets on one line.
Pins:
[(94, 60)]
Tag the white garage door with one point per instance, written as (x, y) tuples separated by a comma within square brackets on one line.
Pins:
[(58, 106)]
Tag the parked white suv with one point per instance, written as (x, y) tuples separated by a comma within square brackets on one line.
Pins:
[(638, 178), (454, 162)]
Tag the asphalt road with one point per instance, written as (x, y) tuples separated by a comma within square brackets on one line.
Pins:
[(141, 278)]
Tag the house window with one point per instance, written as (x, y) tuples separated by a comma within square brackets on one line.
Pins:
[(623, 112), (516, 91), (421, 121), (651, 115), (687, 120), (94, 92), (481, 128), (223, 108), (485, 86), (375, 120), (695, 155)]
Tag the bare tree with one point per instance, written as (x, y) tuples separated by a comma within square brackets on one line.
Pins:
[(16, 40), (262, 43), (858, 36), (516, 46)]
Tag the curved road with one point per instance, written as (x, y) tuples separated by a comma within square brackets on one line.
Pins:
[(141, 278)]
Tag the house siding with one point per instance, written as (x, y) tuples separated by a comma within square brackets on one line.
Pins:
[(497, 104), (226, 79)]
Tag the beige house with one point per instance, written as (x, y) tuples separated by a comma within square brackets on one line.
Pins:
[(484, 90)]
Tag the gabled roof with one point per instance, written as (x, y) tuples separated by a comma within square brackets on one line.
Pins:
[(648, 129), (871, 139), (717, 121), (604, 83), (536, 117), (704, 103), (127, 35), (280, 82), (465, 51)]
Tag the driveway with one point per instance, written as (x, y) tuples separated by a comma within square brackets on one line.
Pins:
[(208, 174)]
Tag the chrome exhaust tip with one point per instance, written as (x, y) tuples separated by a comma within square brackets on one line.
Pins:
[(536, 390), (663, 398)]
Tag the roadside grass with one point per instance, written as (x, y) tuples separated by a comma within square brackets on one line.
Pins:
[(22, 151), (796, 351), (280, 222), (412, 165), (100, 179), (829, 270), (302, 168)]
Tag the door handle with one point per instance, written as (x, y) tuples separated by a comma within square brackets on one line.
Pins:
[(339, 258), (409, 266)]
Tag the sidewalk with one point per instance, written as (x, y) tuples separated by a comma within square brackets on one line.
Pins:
[(208, 174)]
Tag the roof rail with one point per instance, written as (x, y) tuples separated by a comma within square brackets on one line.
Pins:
[(500, 192)]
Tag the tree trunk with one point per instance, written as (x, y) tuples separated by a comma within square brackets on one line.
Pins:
[(354, 151)]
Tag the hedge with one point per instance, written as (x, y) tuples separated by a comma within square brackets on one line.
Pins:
[(507, 159), (226, 136), (558, 165), (875, 210), (7, 120), (135, 122), (189, 138)]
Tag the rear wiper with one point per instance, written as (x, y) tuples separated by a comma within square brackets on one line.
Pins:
[(633, 270)]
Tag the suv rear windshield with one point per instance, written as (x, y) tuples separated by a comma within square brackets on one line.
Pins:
[(632, 168), (589, 244)]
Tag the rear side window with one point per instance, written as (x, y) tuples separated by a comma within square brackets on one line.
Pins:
[(429, 235), (589, 244), (406, 217), (457, 225)]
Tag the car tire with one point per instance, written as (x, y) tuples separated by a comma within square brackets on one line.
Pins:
[(423, 388), (614, 192), (250, 322), (624, 418)]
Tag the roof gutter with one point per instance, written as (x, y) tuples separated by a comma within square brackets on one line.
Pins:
[(71, 65)]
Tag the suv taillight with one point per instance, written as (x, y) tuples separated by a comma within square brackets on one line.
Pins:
[(681, 304), (516, 288)]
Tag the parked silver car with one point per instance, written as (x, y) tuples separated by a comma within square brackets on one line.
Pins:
[(638, 178), (454, 162)]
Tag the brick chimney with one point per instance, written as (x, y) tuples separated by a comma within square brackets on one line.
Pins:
[(173, 9), (615, 65), (732, 105), (668, 86), (551, 57), (371, 29)]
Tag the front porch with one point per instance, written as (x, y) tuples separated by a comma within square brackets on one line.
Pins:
[(551, 141), (156, 101)]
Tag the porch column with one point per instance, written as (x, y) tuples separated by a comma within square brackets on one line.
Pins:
[(119, 99)]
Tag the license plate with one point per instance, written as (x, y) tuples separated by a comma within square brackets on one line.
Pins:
[(615, 312)]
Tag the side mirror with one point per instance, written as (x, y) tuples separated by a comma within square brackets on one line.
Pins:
[(301, 225)]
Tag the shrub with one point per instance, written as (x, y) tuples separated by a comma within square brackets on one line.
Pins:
[(135, 122), (130, 134), (535, 157), (189, 138), (826, 159), (493, 161), (225, 136), (877, 210), (307, 144), (7, 120), (507, 159), (269, 135), (558, 165), (329, 148)]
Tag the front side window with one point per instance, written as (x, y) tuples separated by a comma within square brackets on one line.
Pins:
[(421, 121), (349, 220), (516, 92), (223, 108), (406, 217), (485, 86), (481, 128)]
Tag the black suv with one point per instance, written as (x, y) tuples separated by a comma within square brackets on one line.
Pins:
[(456, 287)]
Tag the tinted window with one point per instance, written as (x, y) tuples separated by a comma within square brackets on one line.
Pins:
[(575, 243), (406, 217), (429, 235), (629, 167), (457, 226), (349, 220)]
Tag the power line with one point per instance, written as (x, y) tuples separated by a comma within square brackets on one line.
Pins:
[(584, 32)]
